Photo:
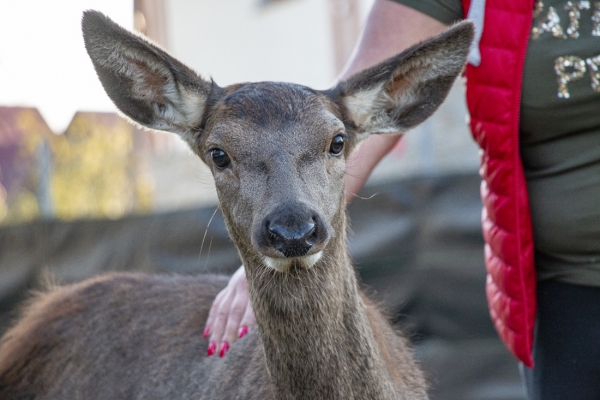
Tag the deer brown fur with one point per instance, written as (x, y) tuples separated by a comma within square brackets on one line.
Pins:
[(277, 152)]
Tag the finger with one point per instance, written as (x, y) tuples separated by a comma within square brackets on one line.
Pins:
[(236, 313), (237, 310), (219, 323), (229, 336), (247, 321), (212, 313)]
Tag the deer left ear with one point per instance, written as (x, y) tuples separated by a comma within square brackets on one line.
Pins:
[(403, 91)]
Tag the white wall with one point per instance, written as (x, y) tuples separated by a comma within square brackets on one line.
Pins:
[(239, 41)]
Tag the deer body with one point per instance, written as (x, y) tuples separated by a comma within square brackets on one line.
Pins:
[(277, 152)]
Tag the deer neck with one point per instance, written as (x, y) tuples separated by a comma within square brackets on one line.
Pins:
[(315, 330)]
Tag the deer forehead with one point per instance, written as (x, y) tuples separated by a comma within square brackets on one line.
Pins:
[(259, 118)]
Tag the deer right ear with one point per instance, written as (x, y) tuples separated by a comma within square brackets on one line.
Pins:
[(403, 91), (146, 84)]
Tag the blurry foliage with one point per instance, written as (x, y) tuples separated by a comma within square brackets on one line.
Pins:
[(18, 201), (3, 205), (95, 170)]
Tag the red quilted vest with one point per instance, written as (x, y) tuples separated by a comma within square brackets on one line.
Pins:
[(493, 98)]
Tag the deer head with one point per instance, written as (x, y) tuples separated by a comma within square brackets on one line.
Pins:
[(277, 150)]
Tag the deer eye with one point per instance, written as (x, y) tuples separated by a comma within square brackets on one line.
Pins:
[(337, 145), (220, 158)]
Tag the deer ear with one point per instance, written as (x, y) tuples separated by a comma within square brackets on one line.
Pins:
[(403, 91), (145, 83)]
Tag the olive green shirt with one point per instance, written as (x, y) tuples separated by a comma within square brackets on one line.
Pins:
[(560, 133)]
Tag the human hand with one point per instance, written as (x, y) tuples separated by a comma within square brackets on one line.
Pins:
[(231, 315)]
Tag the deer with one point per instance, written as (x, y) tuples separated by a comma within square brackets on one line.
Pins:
[(277, 152)]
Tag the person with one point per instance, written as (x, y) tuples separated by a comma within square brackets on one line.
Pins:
[(533, 93)]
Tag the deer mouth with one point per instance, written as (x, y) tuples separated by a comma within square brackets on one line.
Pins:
[(284, 264)]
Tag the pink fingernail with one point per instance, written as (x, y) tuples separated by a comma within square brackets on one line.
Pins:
[(212, 347), (206, 332), (224, 348), (243, 332)]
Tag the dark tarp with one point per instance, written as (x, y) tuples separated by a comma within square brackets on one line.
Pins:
[(417, 243)]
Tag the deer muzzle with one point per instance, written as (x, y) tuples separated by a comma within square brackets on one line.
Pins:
[(292, 231)]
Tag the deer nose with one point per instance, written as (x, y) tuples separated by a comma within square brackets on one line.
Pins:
[(292, 229), (292, 240)]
